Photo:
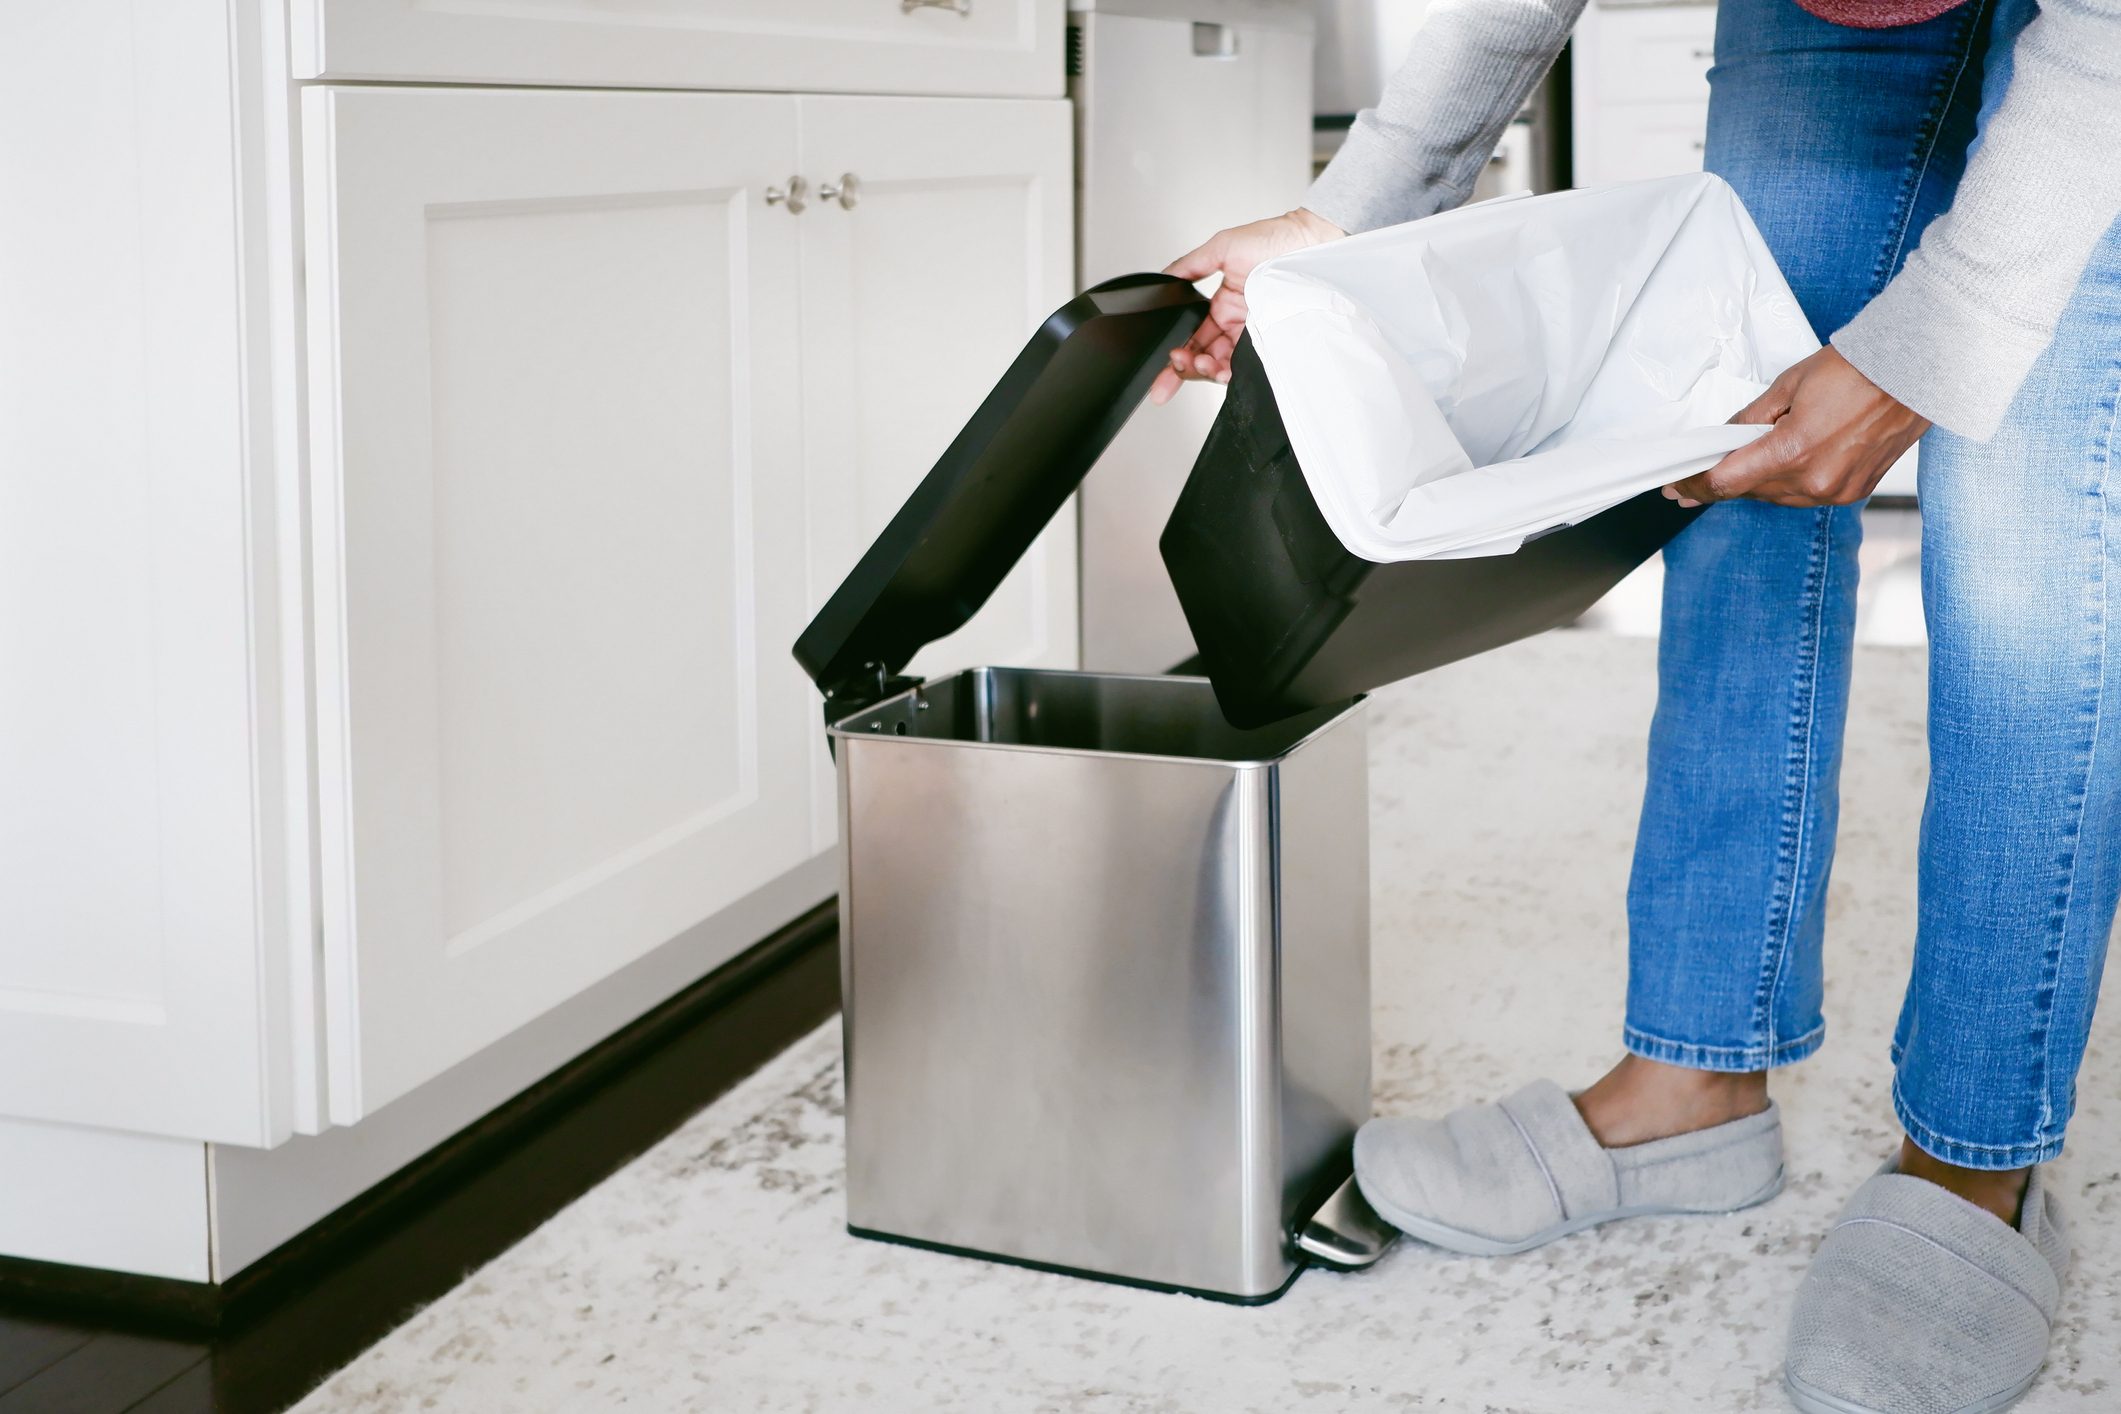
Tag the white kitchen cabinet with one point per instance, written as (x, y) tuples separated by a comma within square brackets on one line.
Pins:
[(560, 545), (1637, 141), (915, 298), (1640, 96), (1654, 53), (994, 47), (917, 292), (146, 833), (408, 499), (598, 418)]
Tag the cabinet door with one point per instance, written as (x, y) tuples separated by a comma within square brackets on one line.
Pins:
[(142, 948), (1641, 94), (1637, 141), (1660, 54), (559, 560), (1001, 47), (915, 299), (916, 296)]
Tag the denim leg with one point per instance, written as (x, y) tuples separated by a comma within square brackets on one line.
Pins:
[(1727, 896), (2021, 834), (1843, 144)]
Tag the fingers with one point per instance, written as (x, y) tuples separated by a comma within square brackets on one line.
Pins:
[(1227, 311), (1205, 355), (1770, 406), (1219, 354), (1200, 262), (1204, 338), (1210, 359), (1751, 469)]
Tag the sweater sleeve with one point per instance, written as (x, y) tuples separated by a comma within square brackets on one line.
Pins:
[(1955, 333), (1420, 150)]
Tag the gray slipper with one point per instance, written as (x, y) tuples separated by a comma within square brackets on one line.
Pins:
[(1507, 1177), (1919, 1302)]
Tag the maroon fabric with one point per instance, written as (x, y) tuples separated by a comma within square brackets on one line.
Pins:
[(1878, 14)]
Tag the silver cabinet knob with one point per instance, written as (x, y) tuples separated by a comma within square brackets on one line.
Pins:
[(796, 197), (846, 191), (962, 7)]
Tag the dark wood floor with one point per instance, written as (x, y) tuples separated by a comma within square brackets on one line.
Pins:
[(326, 1298)]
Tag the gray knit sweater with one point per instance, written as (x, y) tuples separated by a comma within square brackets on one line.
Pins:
[(1955, 332)]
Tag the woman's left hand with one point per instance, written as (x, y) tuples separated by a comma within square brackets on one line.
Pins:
[(1835, 435)]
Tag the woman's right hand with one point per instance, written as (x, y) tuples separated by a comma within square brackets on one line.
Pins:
[(1231, 254)]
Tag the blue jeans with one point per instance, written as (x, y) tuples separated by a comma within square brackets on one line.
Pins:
[(1844, 144)]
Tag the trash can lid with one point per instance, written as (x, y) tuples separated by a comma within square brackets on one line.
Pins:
[(1005, 476)]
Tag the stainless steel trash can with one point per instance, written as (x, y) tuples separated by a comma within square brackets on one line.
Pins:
[(1106, 974), (1105, 956)]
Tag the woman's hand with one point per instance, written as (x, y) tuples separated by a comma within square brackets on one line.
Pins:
[(1232, 254), (1836, 433)]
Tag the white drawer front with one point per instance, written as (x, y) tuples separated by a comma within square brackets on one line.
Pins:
[(1659, 55), (1644, 140), (1001, 47)]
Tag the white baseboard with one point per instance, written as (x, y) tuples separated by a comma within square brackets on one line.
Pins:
[(103, 1198), (263, 1197)]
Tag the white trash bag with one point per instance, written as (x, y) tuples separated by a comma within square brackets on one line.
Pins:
[(1458, 384)]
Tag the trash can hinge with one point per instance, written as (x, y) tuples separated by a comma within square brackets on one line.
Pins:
[(871, 684)]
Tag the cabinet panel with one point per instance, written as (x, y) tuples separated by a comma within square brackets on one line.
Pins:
[(1637, 141), (136, 929), (1641, 92), (1001, 47), (1659, 54), (915, 299), (560, 536)]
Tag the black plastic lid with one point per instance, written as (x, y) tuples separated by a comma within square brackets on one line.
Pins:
[(1008, 473)]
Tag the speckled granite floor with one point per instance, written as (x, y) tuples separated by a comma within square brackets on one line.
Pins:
[(714, 1274)]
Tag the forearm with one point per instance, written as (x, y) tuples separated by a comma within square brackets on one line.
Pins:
[(1421, 149), (1954, 335)]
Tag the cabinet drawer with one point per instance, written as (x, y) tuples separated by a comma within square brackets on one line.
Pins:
[(1000, 47), (1655, 55), (1641, 140)]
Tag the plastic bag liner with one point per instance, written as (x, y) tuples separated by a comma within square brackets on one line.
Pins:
[(1456, 385)]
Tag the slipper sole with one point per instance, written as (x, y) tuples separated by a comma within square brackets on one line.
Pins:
[(1473, 1244), (1817, 1401)]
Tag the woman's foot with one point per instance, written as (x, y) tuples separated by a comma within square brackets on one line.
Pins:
[(1640, 1100), (1506, 1177), (1921, 1301), (1999, 1191)]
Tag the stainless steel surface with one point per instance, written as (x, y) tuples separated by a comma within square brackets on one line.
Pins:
[(1172, 143), (1106, 972), (1360, 44), (1111, 714), (792, 196), (846, 191), (1345, 1232)]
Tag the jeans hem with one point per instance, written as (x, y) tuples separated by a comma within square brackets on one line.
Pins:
[(1969, 1155), (1732, 1059)]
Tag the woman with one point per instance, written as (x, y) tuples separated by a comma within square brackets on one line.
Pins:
[(1940, 181)]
